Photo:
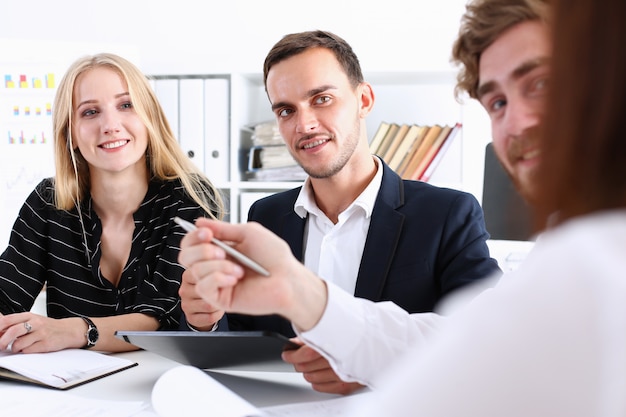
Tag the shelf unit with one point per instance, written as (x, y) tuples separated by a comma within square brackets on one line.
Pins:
[(401, 97)]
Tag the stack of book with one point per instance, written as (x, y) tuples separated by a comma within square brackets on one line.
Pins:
[(269, 158), (413, 151), (266, 134)]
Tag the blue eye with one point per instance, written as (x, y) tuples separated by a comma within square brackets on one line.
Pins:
[(541, 84), (497, 105)]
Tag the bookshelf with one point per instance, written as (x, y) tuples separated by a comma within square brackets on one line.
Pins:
[(220, 139)]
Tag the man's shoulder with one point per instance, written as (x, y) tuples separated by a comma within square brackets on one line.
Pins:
[(423, 190), (274, 205), (279, 198)]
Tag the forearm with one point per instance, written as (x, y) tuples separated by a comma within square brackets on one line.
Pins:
[(107, 326), (358, 336), (309, 299)]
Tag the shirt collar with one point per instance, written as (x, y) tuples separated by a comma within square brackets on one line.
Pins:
[(305, 203)]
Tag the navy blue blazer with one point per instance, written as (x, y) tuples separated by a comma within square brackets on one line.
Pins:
[(423, 243)]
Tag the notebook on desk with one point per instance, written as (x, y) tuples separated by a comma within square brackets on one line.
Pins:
[(216, 350), (63, 369)]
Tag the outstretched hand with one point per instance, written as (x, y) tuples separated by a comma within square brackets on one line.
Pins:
[(291, 290)]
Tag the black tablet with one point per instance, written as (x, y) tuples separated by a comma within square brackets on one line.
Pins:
[(255, 350)]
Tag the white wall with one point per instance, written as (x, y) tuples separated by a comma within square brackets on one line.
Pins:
[(186, 36), (193, 37)]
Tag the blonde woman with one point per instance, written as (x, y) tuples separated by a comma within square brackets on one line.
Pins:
[(100, 234)]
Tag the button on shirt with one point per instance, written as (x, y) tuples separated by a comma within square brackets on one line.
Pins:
[(334, 251)]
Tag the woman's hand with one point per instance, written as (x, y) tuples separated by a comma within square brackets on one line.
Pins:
[(31, 333), (198, 313)]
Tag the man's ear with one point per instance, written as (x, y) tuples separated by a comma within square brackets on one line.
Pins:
[(366, 99)]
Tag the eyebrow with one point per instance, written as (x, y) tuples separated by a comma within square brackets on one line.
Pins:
[(523, 69), (126, 93), (311, 93)]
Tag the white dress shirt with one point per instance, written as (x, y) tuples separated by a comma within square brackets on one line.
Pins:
[(360, 337), (334, 251), (549, 340)]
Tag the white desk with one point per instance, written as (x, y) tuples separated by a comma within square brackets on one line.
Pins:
[(261, 389), (509, 253), (133, 384)]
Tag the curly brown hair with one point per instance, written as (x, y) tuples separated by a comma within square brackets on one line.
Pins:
[(483, 22)]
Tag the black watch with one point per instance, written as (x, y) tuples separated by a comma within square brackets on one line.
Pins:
[(92, 333)]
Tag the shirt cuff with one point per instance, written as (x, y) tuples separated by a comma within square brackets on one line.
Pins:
[(340, 330), (214, 328)]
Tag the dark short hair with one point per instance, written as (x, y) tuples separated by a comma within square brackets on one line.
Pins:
[(296, 43)]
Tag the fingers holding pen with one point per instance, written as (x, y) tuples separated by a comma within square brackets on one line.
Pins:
[(226, 284), (207, 264), (196, 246), (202, 258)]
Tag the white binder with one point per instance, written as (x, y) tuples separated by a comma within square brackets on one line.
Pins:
[(166, 91), (191, 119), (216, 130)]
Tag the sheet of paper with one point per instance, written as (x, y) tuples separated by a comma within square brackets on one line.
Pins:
[(337, 407), (188, 391), (27, 400)]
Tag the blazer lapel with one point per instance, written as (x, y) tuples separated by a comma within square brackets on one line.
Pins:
[(292, 231), (382, 237)]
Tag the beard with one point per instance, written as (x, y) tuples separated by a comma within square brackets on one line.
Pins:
[(339, 161), (526, 184), (525, 179)]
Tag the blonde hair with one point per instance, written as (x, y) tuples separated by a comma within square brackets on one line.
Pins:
[(165, 159)]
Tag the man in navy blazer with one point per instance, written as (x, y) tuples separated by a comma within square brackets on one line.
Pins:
[(354, 222), (423, 242)]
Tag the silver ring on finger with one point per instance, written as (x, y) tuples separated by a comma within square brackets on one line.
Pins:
[(28, 327)]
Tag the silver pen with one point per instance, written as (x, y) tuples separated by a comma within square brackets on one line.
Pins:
[(227, 248)]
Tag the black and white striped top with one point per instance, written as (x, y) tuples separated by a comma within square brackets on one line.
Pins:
[(47, 247)]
